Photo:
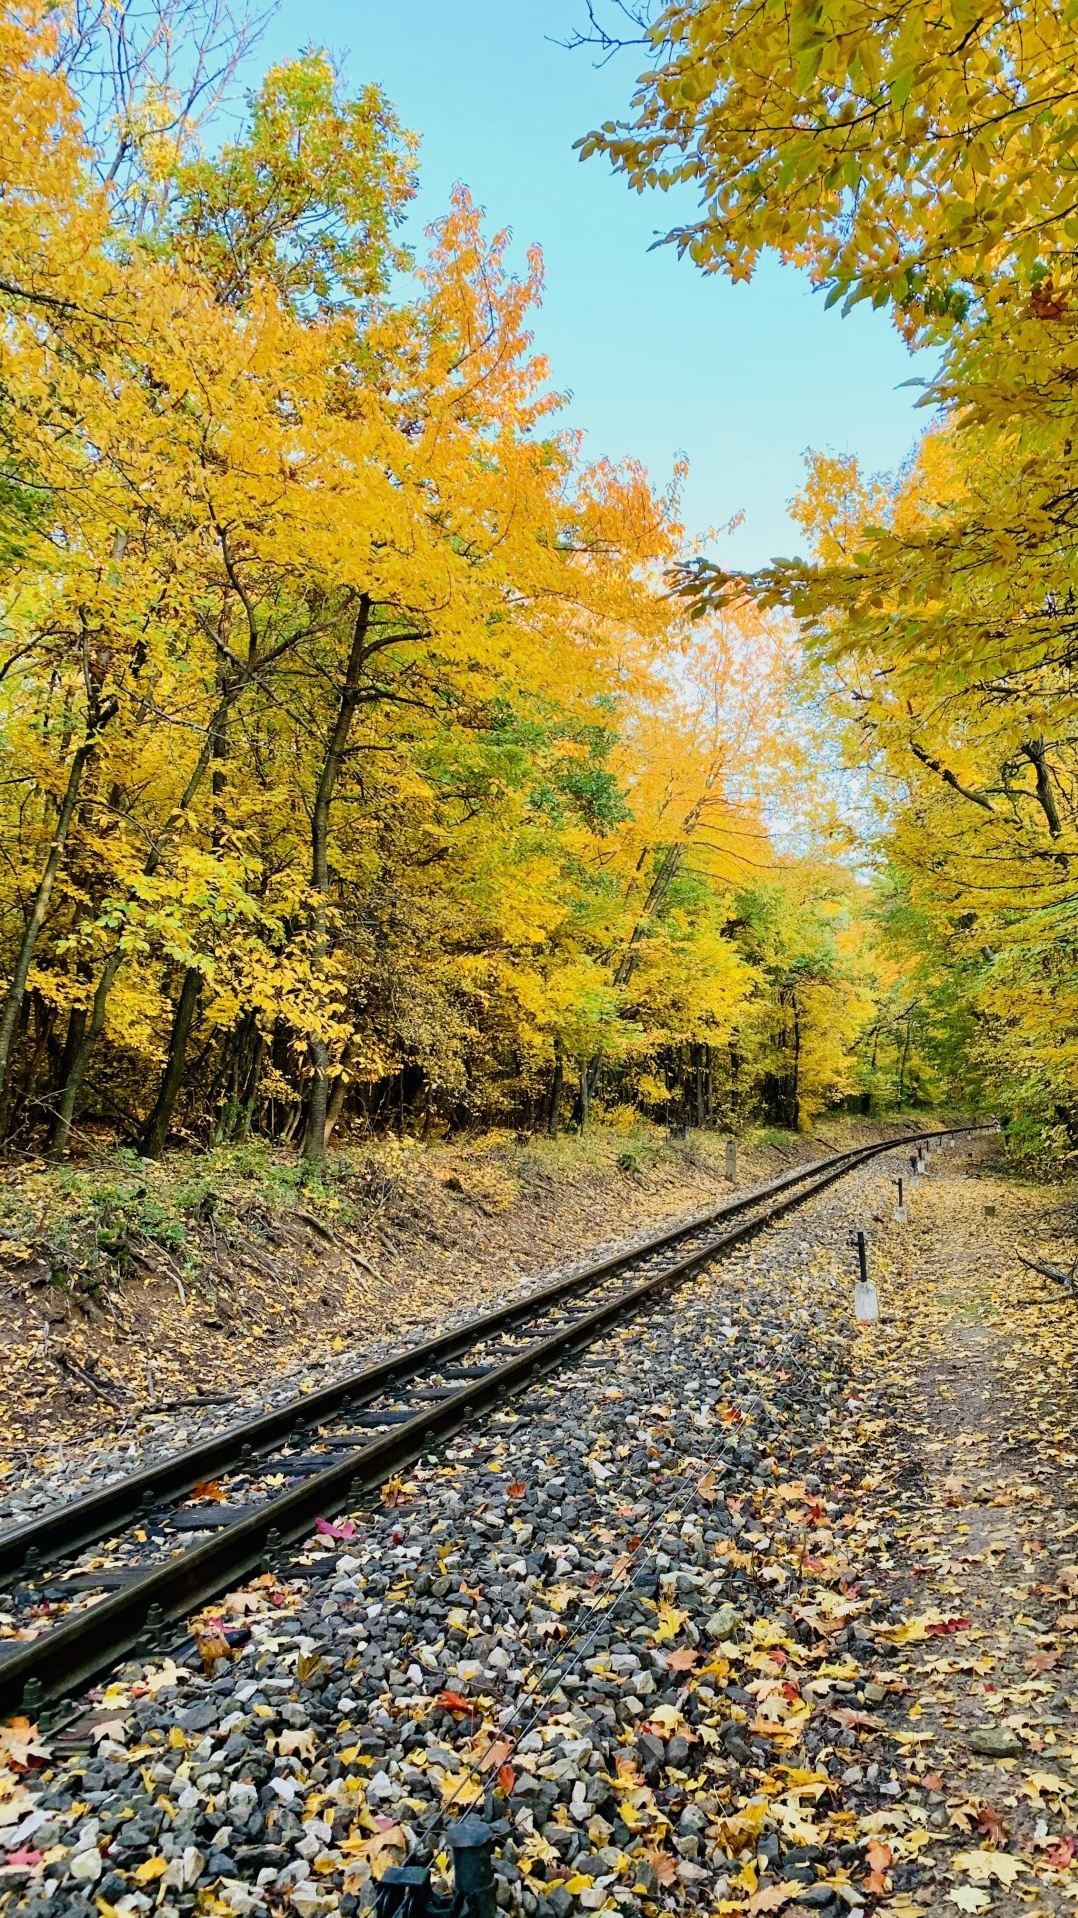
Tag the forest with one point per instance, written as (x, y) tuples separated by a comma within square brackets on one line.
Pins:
[(370, 761)]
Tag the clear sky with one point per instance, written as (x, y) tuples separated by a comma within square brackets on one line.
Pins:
[(658, 360)]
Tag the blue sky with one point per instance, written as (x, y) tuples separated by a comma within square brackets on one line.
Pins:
[(658, 359)]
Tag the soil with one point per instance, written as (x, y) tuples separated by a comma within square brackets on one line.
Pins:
[(964, 1409)]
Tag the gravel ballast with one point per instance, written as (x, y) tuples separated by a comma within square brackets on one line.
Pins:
[(639, 1619)]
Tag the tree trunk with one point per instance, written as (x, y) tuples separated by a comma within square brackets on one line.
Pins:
[(556, 1089), (340, 1092), (155, 1131), (314, 1141), (65, 1108), (9, 1017)]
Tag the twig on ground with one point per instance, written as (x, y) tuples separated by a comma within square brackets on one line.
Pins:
[(70, 1365)]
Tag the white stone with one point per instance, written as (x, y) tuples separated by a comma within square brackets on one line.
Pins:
[(86, 1865)]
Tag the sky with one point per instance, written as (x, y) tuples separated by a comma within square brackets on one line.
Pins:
[(659, 360)]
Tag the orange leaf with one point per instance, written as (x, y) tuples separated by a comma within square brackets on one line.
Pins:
[(212, 1646), (662, 1864), (991, 1825), (507, 1778), (682, 1660), (210, 1488), (454, 1702), (495, 1755), (517, 1489)]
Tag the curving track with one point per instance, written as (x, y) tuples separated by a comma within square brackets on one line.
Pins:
[(171, 1545)]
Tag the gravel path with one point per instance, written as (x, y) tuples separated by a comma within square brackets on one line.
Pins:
[(654, 1620)]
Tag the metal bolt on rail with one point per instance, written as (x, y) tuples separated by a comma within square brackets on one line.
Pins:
[(405, 1891)]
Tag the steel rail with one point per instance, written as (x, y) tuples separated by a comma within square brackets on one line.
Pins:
[(67, 1528), (71, 1654)]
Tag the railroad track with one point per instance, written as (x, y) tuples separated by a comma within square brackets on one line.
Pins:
[(171, 1544)]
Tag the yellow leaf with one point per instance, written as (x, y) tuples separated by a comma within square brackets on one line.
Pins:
[(150, 1869), (982, 1866)]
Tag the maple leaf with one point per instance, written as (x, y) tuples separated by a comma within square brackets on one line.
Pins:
[(774, 1897), (969, 1898), (212, 1646), (1042, 1661), (683, 1659), (671, 1619), (989, 1822), (664, 1867), (20, 1745), (210, 1488), (982, 1866)]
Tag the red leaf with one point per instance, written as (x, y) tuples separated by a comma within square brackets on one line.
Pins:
[(507, 1778), (454, 1701), (517, 1489), (947, 1625), (25, 1857), (345, 1529), (990, 1824)]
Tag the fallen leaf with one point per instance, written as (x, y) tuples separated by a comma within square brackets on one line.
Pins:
[(682, 1660), (982, 1866), (970, 1898), (990, 1825), (344, 1530), (211, 1647), (20, 1744), (150, 1869), (773, 1897), (664, 1867)]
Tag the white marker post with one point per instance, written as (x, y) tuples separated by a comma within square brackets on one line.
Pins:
[(900, 1209), (866, 1304)]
